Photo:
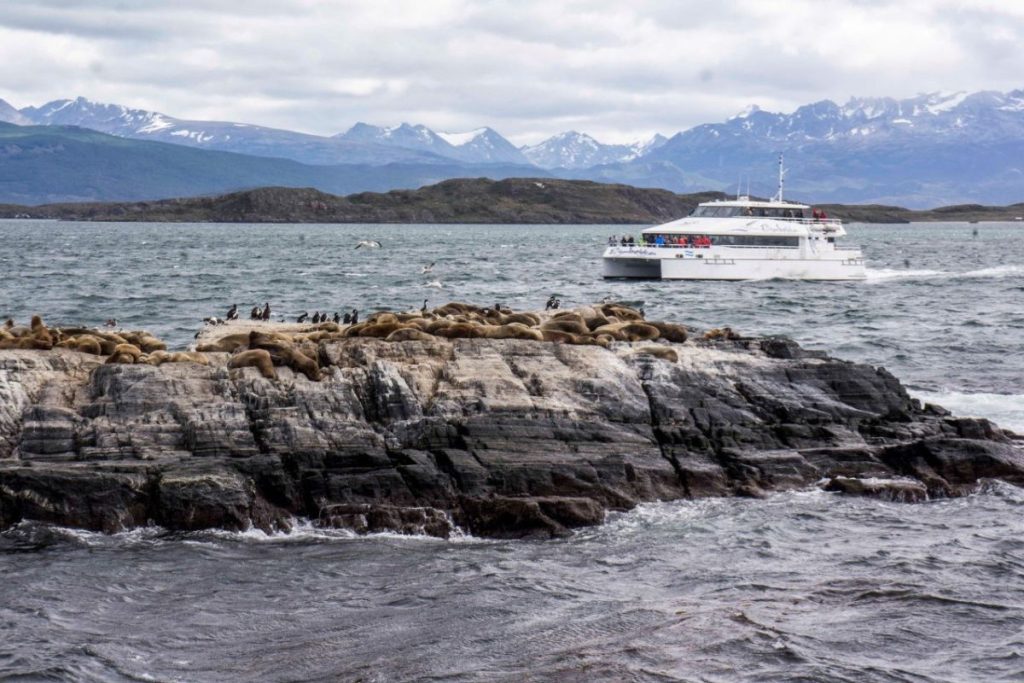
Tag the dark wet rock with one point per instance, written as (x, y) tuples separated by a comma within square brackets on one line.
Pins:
[(500, 437)]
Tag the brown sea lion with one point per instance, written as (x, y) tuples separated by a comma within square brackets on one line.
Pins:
[(460, 331), (558, 337), (254, 358), (721, 333), (663, 352), (382, 329), (226, 344), (640, 332), (409, 334), (570, 325), (127, 354), (671, 331)]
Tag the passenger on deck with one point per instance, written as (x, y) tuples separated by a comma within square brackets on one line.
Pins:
[(631, 241), (623, 242), (612, 241), (659, 240)]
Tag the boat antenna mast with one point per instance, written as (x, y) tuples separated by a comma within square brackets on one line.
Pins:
[(782, 180)]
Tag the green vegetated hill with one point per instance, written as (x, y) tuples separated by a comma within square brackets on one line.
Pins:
[(479, 200), (41, 164)]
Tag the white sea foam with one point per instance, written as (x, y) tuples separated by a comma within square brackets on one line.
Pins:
[(1006, 410), (885, 274), (882, 274)]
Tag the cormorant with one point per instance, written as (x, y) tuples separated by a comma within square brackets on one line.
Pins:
[(233, 312), (302, 317)]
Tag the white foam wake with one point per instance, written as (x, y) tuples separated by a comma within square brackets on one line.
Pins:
[(1006, 410), (887, 274)]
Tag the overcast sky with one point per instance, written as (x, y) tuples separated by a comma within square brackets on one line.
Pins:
[(617, 69)]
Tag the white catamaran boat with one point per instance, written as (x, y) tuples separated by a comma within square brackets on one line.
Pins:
[(740, 239)]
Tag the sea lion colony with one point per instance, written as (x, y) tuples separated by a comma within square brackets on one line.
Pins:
[(599, 325)]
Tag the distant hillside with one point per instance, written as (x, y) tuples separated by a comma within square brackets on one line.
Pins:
[(519, 200), (44, 164), (479, 200)]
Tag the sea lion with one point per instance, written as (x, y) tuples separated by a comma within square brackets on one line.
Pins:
[(286, 354), (621, 312), (461, 331), (640, 332), (528, 319), (663, 352), (721, 333), (226, 344), (409, 334), (84, 343), (671, 331), (558, 337), (254, 358), (127, 354), (382, 329), (513, 331), (570, 325)]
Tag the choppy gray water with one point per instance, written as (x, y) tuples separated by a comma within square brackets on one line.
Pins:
[(803, 586)]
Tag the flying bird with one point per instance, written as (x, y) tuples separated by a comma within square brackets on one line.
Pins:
[(427, 268)]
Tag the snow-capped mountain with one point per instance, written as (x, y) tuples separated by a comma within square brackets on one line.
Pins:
[(485, 145), (9, 114), (482, 145), (928, 150), (574, 150), (115, 119)]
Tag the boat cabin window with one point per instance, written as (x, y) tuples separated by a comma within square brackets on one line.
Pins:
[(756, 211), (755, 241), (716, 211)]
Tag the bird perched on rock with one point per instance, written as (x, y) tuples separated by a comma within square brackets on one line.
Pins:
[(423, 308), (355, 316), (232, 312), (256, 313), (347, 318), (111, 322), (337, 318), (302, 317), (369, 244), (266, 312)]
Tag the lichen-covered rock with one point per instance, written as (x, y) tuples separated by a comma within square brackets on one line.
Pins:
[(503, 437)]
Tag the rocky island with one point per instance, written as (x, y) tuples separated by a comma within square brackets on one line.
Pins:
[(465, 200), (499, 423)]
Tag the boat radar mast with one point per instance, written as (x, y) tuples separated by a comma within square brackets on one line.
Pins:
[(782, 176)]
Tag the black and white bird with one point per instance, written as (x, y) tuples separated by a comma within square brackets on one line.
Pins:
[(233, 312), (302, 317), (256, 313), (369, 244), (427, 268), (355, 316), (337, 318), (423, 308)]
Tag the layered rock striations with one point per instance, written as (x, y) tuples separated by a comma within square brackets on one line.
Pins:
[(502, 437)]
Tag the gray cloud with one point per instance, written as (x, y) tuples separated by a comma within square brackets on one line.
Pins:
[(529, 68)]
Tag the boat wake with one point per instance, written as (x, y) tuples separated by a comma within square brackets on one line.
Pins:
[(887, 274)]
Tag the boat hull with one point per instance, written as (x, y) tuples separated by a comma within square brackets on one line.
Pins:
[(648, 263)]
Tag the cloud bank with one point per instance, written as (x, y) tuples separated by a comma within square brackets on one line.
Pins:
[(529, 68)]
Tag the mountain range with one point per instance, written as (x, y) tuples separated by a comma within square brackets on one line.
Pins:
[(931, 149)]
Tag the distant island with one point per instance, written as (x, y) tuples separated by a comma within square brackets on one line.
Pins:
[(473, 200)]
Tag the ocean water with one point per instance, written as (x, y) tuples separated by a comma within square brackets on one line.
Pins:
[(801, 586)]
